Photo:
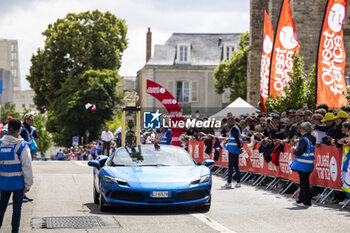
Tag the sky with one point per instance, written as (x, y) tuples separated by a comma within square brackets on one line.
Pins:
[(25, 20)]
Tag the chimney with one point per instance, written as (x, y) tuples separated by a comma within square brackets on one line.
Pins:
[(148, 45)]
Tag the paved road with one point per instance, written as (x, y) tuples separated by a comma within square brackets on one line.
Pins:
[(65, 189)]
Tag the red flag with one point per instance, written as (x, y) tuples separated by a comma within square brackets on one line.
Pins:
[(285, 44), (266, 58), (330, 82)]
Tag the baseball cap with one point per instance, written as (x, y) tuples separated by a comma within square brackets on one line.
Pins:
[(28, 115), (306, 126), (342, 114), (292, 111), (328, 117), (285, 120), (307, 112), (15, 124)]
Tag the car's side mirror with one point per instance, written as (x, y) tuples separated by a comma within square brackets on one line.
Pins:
[(208, 162), (94, 163)]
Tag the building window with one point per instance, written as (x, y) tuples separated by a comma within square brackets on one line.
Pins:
[(12, 47), (228, 49), (13, 56), (183, 92), (23, 105), (14, 73), (183, 53), (31, 106), (21, 97)]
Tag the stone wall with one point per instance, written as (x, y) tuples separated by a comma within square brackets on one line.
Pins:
[(307, 15)]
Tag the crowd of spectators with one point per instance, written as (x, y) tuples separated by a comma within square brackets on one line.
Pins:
[(329, 127)]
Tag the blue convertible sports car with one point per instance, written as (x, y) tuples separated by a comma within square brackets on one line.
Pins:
[(151, 175)]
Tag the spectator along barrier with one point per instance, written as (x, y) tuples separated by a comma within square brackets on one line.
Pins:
[(327, 171)]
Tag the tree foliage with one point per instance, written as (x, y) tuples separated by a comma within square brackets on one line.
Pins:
[(300, 90), (233, 73), (45, 140), (81, 46), (8, 109), (71, 118)]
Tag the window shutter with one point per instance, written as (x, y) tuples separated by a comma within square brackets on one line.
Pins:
[(171, 87), (194, 91)]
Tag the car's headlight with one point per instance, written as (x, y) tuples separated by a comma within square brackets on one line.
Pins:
[(201, 180), (114, 180)]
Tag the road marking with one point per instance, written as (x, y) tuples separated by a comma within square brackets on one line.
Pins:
[(212, 223)]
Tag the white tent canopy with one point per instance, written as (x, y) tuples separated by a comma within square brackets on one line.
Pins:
[(237, 108)]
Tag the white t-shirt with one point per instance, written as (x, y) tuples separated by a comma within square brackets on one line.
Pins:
[(107, 136)]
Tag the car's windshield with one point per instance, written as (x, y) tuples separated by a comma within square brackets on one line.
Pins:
[(149, 156)]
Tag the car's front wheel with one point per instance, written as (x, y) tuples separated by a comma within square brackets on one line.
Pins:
[(102, 202), (96, 199), (205, 207)]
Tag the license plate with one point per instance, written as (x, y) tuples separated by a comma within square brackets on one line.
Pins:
[(160, 194)]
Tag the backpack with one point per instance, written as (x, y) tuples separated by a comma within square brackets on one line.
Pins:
[(275, 155), (266, 148)]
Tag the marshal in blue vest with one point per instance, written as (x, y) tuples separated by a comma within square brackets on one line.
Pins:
[(166, 137), (304, 162), (11, 177), (231, 144)]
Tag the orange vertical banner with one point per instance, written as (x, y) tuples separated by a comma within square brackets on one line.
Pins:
[(285, 44), (330, 81), (266, 58)]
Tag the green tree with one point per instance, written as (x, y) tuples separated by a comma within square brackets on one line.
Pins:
[(116, 122), (45, 140), (300, 90), (86, 45), (8, 109), (233, 73), (71, 118)]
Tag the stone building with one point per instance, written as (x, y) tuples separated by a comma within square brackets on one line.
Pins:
[(9, 60), (308, 16), (23, 99), (184, 65), (6, 86)]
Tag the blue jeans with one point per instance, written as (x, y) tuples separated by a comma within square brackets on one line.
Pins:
[(233, 162), (17, 207)]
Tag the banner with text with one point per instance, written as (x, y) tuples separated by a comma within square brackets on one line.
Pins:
[(266, 58), (285, 45), (327, 170), (330, 63)]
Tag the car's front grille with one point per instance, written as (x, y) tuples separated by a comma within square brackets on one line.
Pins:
[(176, 196), (127, 196), (190, 195)]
